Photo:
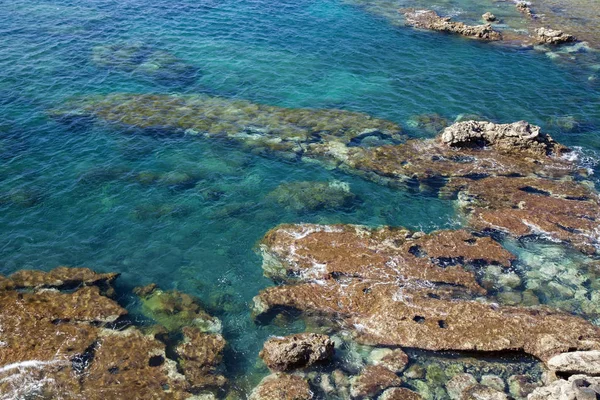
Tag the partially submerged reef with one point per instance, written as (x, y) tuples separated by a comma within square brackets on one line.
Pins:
[(429, 19), (540, 188), (63, 336), (383, 306)]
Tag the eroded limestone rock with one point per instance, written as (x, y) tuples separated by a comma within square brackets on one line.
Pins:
[(577, 387), (429, 19), (577, 362), (296, 351), (518, 136), (553, 37)]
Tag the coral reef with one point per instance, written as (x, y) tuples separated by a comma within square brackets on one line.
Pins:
[(429, 19), (60, 343)]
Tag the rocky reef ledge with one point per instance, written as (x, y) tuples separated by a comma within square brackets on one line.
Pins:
[(62, 336), (539, 189), (392, 289)]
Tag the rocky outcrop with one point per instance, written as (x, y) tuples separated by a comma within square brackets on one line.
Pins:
[(372, 381), (577, 387), (64, 343), (552, 36), (429, 19), (516, 137), (317, 252), (296, 351), (577, 362), (333, 273), (488, 17), (281, 386)]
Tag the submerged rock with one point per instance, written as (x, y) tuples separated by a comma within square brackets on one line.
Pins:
[(429, 19), (64, 344), (367, 283), (553, 37), (373, 380), (313, 196), (175, 310), (296, 351), (144, 60), (399, 394), (281, 386)]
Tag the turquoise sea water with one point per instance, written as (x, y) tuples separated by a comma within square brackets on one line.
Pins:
[(67, 193)]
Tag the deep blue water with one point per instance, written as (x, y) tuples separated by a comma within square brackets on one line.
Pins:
[(69, 194)]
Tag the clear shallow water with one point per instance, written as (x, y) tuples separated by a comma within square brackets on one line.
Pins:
[(71, 197)]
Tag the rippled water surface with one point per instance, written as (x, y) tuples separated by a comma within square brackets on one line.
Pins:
[(71, 195)]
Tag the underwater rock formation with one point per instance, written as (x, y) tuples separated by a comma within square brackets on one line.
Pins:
[(262, 127), (67, 344), (313, 196), (385, 301), (464, 161), (429, 19), (144, 60), (175, 310), (296, 351), (372, 381)]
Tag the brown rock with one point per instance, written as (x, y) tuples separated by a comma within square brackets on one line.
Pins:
[(553, 37), (562, 210), (524, 8), (459, 383), (201, 353), (61, 277), (393, 359), (373, 380), (296, 351), (520, 386), (301, 252), (280, 386), (399, 394), (428, 19), (390, 307)]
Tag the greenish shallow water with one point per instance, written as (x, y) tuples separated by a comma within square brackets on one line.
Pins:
[(71, 196)]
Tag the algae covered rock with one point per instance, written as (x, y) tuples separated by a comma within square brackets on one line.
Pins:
[(399, 394), (313, 196), (144, 60), (296, 351), (395, 294), (175, 310), (280, 386), (64, 343)]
